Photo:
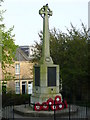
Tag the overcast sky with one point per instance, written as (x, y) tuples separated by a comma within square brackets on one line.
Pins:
[(23, 14)]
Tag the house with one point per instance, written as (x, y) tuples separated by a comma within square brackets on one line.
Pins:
[(22, 70)]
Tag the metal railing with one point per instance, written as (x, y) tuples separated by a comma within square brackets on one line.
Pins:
[(73, 111), (8, 109)]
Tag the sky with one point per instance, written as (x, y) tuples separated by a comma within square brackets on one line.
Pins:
[(24, 15)]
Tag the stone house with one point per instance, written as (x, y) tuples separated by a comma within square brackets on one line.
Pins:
[(22, 70)]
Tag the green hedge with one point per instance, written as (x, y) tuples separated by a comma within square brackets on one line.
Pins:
[(18, 99)]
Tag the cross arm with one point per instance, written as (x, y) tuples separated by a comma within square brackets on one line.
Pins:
[(45, 10)]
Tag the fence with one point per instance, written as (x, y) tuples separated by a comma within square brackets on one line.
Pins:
[(8, 110), (73, 111)]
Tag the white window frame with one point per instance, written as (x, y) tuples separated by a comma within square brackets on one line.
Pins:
[(17, 87), (17, 68), (30, 86)]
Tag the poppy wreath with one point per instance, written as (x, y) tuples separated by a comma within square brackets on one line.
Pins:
[(50, 101), (45, 106), (61, 106), (65, 104), (58, 99), (54, 107), (38, 107), (57, 103)]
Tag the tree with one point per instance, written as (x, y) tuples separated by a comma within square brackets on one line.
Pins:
[(70, 51), (7, 47), (8, 51)]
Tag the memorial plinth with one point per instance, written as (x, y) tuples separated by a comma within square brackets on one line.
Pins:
[(46, 74)]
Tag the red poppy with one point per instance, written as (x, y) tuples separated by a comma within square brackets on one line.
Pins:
[(50, 101), (45, 106), (37, 107), (58, 99), (54, 107), (60, 106)]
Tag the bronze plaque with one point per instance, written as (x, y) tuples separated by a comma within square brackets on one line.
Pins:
[(37, 76), (51, 76)]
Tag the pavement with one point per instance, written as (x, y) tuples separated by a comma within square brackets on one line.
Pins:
[(26, 110)]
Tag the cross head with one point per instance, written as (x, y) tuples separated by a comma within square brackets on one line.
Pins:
[(45, 11)]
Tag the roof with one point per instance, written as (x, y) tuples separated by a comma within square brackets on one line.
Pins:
[(25, 49), (24, 53)]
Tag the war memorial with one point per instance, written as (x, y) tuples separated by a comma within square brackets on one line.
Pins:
[(46, 73)]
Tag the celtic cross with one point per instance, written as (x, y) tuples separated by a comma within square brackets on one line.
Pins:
[(45, 13)]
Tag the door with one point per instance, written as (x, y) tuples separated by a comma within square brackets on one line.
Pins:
[(23, 87)]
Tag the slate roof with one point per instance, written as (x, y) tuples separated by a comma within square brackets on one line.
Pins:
[(23, 53), (25, 49)]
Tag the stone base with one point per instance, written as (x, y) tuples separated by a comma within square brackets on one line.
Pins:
[(43, 97), (45, 83)]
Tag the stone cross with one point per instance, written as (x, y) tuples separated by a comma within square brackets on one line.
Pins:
[(45, 13)]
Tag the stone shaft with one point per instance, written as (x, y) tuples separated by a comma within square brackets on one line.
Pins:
[(45, 12)]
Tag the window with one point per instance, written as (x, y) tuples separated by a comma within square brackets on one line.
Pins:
[(4, 89), (17, 68), (17, 87), (29, 87)]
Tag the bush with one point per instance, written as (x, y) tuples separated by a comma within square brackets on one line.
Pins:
[(18, 99)]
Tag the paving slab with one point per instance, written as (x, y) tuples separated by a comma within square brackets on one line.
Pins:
[(26, 110)]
